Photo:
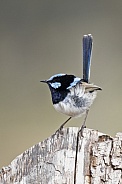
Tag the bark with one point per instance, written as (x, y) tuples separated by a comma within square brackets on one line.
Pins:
[(68, 158)]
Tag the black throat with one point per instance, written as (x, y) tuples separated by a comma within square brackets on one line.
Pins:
[(58, 95)]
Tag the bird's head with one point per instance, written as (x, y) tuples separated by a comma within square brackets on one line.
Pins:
[(61, 82), (60, 85)]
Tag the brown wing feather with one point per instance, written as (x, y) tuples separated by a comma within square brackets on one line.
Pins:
[(90, 87)]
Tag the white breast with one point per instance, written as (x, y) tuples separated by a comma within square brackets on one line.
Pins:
[(76, 103)]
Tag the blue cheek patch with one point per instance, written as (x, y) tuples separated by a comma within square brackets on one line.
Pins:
[(55, 85), (76, 80)]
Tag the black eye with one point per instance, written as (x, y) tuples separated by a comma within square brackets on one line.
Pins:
[(64, 82)]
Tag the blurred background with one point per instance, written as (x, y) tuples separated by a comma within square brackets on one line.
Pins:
[(41, 38)]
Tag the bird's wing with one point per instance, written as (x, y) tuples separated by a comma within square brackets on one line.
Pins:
[(90, 87)]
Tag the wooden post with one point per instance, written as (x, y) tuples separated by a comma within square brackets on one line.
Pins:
[(68, 158)]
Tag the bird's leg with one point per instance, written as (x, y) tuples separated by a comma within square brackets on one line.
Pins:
[(60, 128), (65, 123), (83, 125)]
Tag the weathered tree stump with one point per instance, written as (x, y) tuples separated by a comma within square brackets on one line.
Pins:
[(68, 158)]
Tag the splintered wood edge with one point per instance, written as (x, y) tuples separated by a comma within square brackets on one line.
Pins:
[(28, 161)]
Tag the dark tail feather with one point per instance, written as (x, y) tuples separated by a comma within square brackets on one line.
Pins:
[(87, 51)]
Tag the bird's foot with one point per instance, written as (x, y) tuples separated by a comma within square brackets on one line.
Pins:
[(59, 130), (81, 130), (61, 127)]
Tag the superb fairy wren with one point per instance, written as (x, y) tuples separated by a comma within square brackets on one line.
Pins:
[(72, 95)]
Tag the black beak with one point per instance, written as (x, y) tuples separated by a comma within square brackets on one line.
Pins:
[(44, 81)]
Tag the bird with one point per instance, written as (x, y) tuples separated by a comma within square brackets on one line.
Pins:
[(72, 95)]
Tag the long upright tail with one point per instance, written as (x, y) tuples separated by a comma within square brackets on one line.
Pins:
[(87, 51)]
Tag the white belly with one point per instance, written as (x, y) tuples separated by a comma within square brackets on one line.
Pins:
[(75, 106)]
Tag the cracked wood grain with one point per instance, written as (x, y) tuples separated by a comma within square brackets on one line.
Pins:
[(68, 158)]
